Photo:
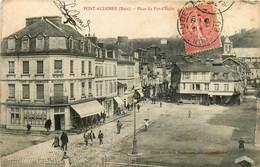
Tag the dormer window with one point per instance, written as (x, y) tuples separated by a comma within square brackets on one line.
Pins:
[(71, 44), (25, 43), (39, 43), (81, 46), (11, 44), (225, 75), (89, 46)]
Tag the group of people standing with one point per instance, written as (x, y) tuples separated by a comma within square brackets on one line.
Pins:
[(64, 141), (91, 136)]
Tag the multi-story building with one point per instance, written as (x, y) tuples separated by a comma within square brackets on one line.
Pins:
[(223, 85), (106, 80), (47, 72), (191, 81)]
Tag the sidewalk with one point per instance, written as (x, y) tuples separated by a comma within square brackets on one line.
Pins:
[(90, 156)]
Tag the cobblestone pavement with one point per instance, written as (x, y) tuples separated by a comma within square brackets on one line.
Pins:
[(44, 154)]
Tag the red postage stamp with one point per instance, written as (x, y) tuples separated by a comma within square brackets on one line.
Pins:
[(199, 29)]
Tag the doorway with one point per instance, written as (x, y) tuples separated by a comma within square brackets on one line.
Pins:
[(59, 122)]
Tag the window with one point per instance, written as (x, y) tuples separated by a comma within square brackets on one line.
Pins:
[(81, 46), (111, 88), (11, 90), (206, 86), (197, 86), (97, 88), (82, 89), (25, 67), (90, 87), (11, 43), (25, 43), (216, 86), (11, 67), (57, 66), (71, 67), (225, 75), (89, 46), (89, 67), (39, 67), (115, 87), (226, 87), (40, 91), (192, 86), (101, 89), (40, 43), (26, 91), (15, 116), (71, 90), (36, 117), (183, 85), (186, 75), (215, 75), (194, 75), (82, 67), (71, 44), (114, 70)]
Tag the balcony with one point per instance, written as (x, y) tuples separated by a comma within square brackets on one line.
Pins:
[(59, 100)]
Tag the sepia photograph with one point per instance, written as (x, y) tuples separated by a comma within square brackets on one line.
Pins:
[(130, 83)]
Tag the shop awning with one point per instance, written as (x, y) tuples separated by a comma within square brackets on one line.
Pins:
[(119, 101), (220, 93), (88, 108), (140, 93)]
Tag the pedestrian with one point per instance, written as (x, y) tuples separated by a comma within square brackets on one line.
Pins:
[(98, 119), (160, 103), (64, 141), (241, 144), (238, 101), (118, 126), (104, 117), (138, 107), (128, 106), (86, 137), (66, 160), (56, 142), (29, 129), (189, 113), (100, 136), (92, 136)]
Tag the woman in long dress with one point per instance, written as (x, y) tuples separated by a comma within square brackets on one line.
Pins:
[(66, 160), (56, 142)]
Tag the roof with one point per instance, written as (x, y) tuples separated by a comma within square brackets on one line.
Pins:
[(227, 40), (219, 71), (193, 67), (244, 158), (46, 27), (247, 52)]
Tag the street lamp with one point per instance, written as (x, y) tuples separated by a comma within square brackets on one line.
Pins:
[(135, 96)]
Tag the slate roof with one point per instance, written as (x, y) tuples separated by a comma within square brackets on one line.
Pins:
[(219, 71), (247, 52), (46, 27), (195, 67)]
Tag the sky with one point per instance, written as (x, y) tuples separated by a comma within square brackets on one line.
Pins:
[(134, 24)]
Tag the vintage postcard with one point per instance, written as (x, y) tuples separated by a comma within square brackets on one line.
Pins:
[(130, 83)]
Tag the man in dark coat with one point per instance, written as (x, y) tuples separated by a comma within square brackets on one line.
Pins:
[(241, 144), (100, 136), (64, 141), (28, 128), (128, 106), (92, 136), (118, 126), (138, 107)]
